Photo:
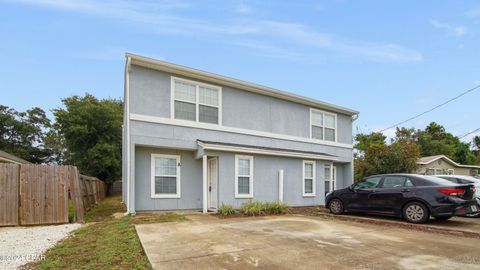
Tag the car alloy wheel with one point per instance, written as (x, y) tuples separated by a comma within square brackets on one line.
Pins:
[(415, 213), (336, 206)]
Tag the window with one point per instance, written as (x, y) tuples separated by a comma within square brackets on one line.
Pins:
[(393, 181), (327, 179), (165, 176), (437, 171), (195, 101), (309, 178), (371, 182), (243, 176), (323, 125)]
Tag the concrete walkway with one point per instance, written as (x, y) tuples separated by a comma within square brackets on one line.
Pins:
[(298, 242)]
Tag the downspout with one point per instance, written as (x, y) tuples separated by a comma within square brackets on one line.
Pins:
[(127, 127)]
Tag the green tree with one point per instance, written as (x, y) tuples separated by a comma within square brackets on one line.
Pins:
[(476, 146), (434, 140), (365, 141), (23, 133), (92, 135), (398, 157)]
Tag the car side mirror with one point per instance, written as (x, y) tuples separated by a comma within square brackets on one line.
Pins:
[(351, 187)]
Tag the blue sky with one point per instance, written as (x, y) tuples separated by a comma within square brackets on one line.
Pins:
[(388, 59)]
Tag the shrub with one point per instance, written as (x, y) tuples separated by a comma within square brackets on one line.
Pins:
[(252, 208), (276, 208), (257, 208), (226, 210)]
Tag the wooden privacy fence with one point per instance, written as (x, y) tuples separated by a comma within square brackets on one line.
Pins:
[(33, 194)]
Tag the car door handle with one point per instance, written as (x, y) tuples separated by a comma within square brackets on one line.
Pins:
[(405, 190)]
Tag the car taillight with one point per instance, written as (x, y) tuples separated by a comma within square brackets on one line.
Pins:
[(452, 191)]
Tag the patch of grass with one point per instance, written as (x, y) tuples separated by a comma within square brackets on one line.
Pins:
[(104, 243), (71, 211), (105, 209), (226, 210)]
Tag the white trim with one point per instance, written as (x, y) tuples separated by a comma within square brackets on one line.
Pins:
[(323, 124), (191, 124), (280, 185), (205, 184), (152, 177), (129, 179), (239, 84), (314, 181), (239, 149), (332, 180), (250, 194), (197, 99)]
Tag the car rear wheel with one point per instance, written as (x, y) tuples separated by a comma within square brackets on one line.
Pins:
[(415, 212), (336, 207), (443, 218)]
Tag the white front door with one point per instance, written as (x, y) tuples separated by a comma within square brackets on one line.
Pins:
[(212, 176)]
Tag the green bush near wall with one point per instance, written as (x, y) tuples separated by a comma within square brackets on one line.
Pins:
[(255, 208)]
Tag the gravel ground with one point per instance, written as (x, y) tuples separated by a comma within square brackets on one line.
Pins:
[(20, 245)]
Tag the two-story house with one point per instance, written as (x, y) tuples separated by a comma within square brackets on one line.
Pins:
[(194, 140)]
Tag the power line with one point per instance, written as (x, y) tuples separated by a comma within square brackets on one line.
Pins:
[(434, 108), (466, 134)]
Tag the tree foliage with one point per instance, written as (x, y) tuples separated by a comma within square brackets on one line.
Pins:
[(90, 133), (22, 134), (375, 156)]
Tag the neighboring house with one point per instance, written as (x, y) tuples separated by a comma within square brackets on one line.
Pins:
[(9, 158), (440, 164), (195, 140)]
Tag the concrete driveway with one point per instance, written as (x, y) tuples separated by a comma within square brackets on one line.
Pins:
[(300, 242)]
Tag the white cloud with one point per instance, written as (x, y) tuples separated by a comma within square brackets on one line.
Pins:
[(159, 16), (458, 31), (243, 8), (473, 12)]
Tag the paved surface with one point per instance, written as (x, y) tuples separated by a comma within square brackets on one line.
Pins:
[(20, 245), (299, 242)]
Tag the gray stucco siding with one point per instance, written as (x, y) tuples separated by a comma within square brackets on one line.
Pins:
[(163, 135), (190, 181), (150, 94), (265, 180)]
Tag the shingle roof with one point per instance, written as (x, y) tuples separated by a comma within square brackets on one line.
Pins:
[(4, 156), (265, 148)]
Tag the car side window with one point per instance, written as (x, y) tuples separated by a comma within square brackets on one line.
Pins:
[(371, 182), (408, 183), (394, 181)]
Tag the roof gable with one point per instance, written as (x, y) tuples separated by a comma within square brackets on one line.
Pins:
[(235, 83)]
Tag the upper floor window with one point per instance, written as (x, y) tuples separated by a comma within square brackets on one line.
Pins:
[(196, 101), (323, 125)]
